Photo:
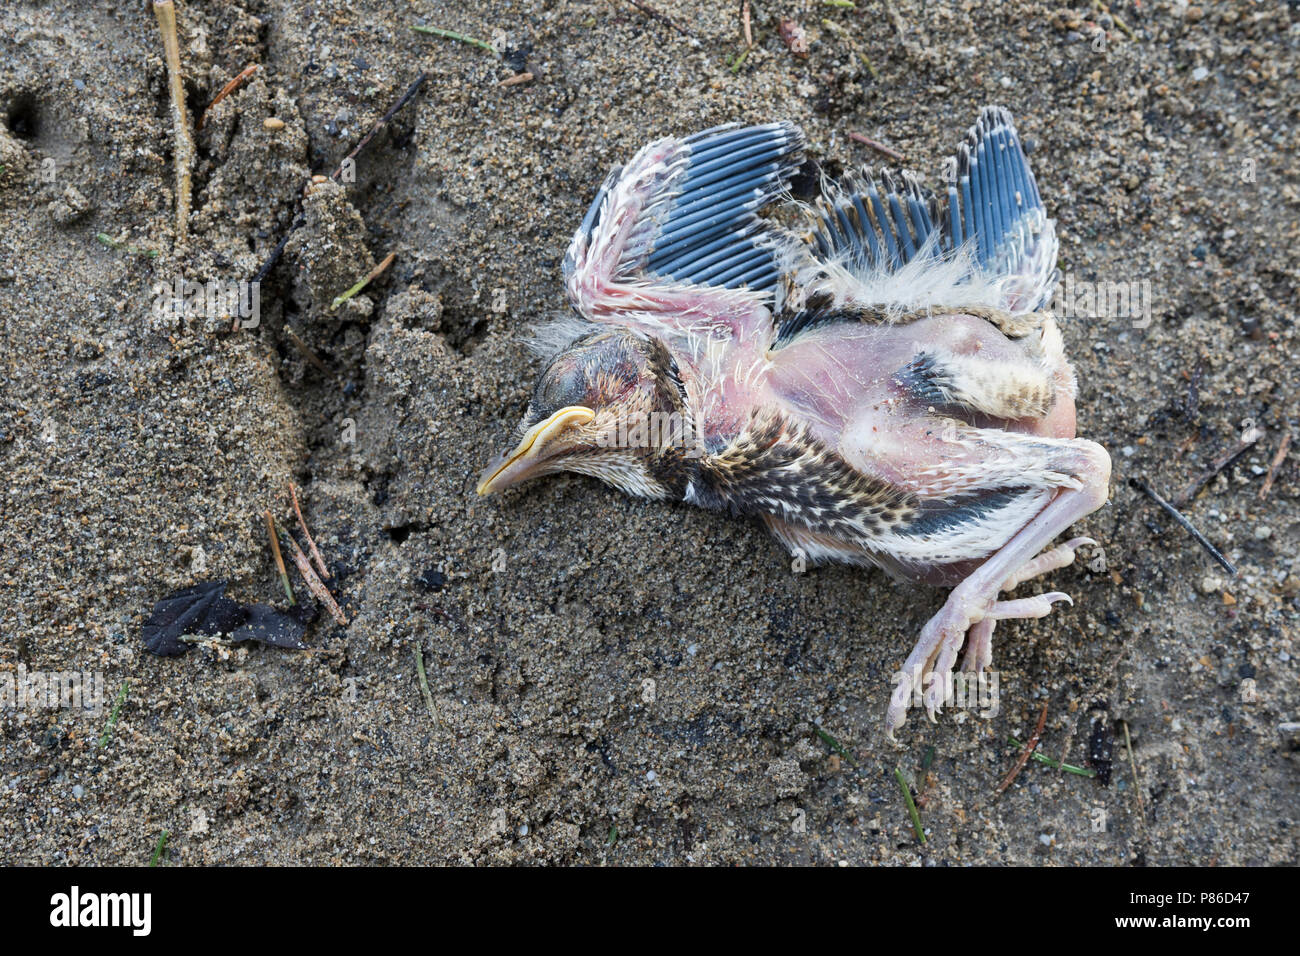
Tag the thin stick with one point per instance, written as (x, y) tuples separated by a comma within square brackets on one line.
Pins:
[(1187, 526), (1026, 753), (652, 12), (314, 583), (1216, 466), (460, 37), (112, 717), (165, 11), (374, 274), (1137, 781), (226, 90), (298, 223), (911, 805), (745, 29), (517, 79), (881, 148), (424, 684), (311, 545), (279, 559), (305, 349), (383, 121), (1273, 468)]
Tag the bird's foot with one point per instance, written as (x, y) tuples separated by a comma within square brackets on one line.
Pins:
[(1051, 560), (967, 618), (979, 639)]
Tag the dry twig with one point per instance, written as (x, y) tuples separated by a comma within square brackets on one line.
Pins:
[(1186, 525), (311, 545), (1026, 753), (314, 583), (226, 90), (879, 147), (1274, 466), (183, 147), (1216, 466)]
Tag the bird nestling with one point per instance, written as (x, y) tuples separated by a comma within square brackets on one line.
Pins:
[(878, 385)]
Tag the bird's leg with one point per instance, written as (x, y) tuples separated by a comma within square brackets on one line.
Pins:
[(979, 640), (975, 599)]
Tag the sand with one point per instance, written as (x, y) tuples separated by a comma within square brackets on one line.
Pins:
[(613, 681)]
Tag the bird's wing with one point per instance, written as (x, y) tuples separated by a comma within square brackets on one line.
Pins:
[(885, 243), (993, 203), (672, 242)]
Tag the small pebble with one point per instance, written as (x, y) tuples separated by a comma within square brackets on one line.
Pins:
[(272, 123), (1200, 73)]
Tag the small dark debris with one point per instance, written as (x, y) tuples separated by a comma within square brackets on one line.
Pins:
[(432, 580), (266, 625), (1101, 744), (203, 610), (517, 57)]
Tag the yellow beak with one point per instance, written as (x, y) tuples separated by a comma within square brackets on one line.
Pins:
[(531, 452)]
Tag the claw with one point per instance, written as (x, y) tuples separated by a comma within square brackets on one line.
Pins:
[(1038, 606)]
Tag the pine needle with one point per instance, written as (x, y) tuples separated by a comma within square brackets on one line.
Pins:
[(424, 685), (374, 274), (226, 90), (459, 37), (113, 715), (314, 584), (279, 559), (158, 850), (1055, 764), (911, 805)]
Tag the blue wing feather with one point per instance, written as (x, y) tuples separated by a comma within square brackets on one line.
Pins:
[(867, 228), (996, 204)]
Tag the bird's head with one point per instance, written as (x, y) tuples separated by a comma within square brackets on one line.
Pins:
[(610, 405)]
